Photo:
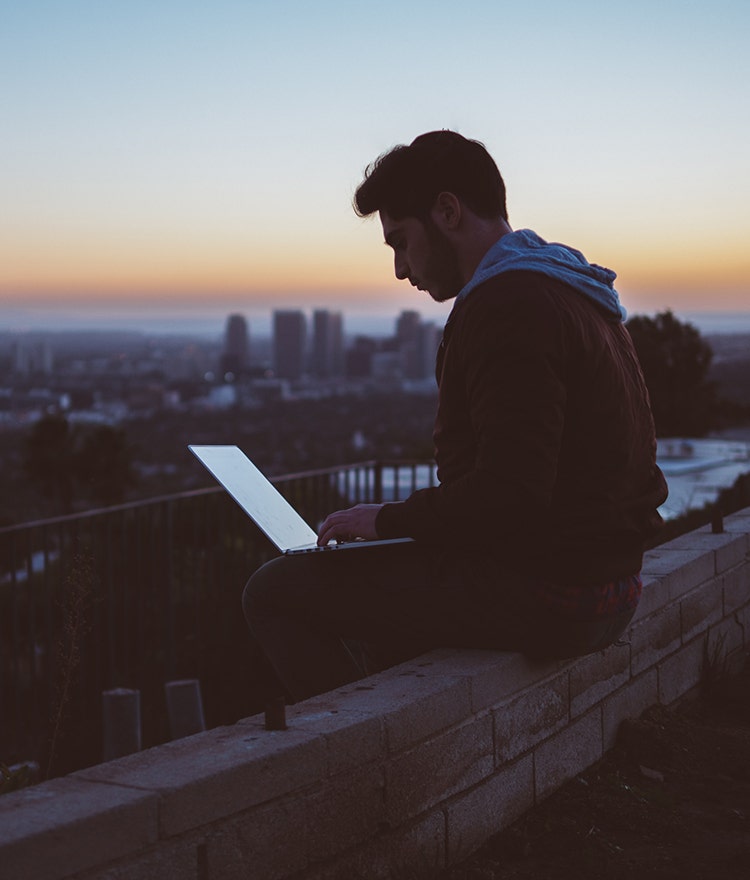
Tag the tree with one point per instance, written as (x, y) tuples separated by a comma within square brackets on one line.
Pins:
[(675, 360), (102, 464), (60, 459), (48, 459)]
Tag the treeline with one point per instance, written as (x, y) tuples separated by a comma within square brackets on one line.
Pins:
[(676, 362), (56, 466)]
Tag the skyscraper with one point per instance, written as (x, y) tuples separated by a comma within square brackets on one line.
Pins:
[(235, 358), (417, 342), (408, 329), (328, 344), (289, 340)]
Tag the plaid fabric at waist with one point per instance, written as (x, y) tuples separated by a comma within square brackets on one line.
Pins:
[(590, 603)]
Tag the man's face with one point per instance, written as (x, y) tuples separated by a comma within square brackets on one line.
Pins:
[(423, 254)]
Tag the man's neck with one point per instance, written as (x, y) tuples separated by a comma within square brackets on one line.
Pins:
[(480, 236)]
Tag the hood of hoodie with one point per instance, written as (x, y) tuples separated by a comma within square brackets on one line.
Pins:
[(524, 249)]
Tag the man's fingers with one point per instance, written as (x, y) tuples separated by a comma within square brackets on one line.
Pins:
[(333, 528), (355, 522)]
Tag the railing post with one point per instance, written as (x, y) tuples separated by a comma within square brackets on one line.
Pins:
[(378, 488), (121, 711), (184, 707)]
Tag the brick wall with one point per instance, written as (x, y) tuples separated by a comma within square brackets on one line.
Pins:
[(412, 768)]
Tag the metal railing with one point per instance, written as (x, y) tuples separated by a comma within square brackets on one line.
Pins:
[(140, 594)]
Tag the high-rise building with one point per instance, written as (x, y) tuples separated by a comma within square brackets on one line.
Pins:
[(289, 341), (407, 327), (328, 344), (417, 343), (359, 357), (408, 339), (235, 358), (429, 342), (33, 357)]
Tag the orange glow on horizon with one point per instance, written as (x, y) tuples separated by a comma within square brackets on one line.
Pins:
[(356, 273)]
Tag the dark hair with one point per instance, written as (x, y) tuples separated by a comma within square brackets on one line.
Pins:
[(405, 181)]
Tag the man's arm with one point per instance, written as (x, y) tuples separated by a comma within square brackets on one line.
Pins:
[(346, 525)]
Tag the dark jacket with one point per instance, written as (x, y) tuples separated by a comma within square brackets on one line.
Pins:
[(544, 439)]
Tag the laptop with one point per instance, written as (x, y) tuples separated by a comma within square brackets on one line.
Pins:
[(266, 506)]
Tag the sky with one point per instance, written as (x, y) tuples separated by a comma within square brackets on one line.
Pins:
[(169, 159)]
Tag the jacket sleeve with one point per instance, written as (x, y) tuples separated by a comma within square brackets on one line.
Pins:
[(503, 387)]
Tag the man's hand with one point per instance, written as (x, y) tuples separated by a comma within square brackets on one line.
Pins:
[(345, 525)]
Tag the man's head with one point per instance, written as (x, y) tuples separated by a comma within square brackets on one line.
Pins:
[(442, 205), (405, 181)]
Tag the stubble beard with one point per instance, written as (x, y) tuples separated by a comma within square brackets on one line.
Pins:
[(443, 265)]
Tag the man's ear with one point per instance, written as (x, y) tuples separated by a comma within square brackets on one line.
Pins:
[(446, 212)]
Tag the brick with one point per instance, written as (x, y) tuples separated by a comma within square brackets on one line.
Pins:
[(180, 858), (742, 616), (738, 522), (724, 639), (630, 701), (736, 586), (729, 548), (431, 772), (412, 703), (345, 811), (214, 774), (654, 638), (596, 675), (701, 608), (678, 570), (682, 671), (567, 753), (478, 814), (528, 719), (68, 825), (413, 850), (493, 675), (653, 597), (269, 841), (348, 735), (287, 835)]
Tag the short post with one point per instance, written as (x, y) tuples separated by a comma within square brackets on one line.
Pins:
[(184, 707), (121, 711), (717, 520), (275, 714)]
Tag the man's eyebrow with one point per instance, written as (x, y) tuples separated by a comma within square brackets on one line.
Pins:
[(392, 238)]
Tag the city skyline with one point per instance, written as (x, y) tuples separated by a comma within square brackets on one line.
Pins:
[(210, 323), (181, 158)]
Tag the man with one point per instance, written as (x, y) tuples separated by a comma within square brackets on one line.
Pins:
[(544, 443)]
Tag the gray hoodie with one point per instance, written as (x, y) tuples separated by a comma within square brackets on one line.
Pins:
[(524, 249)]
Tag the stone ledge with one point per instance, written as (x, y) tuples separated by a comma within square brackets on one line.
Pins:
[(414, 766)]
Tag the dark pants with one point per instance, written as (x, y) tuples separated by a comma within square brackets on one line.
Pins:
[(403, 599)]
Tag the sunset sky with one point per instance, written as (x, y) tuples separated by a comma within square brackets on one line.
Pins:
[(175, 156)]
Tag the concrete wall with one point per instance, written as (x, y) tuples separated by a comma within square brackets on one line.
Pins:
[(414, 767)]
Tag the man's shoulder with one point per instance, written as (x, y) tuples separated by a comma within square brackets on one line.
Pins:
[(514, 294)]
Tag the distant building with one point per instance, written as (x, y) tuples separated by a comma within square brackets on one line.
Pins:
[(327, 344), (289, 343), (33, 358), (359, 357), (235, 358), (429, 342), (417, 343)]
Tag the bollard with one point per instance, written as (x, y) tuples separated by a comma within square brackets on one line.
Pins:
[(275, 714), (121, 711), (184, 707)]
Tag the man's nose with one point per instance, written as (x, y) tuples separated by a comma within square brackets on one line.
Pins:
[(400, 267)]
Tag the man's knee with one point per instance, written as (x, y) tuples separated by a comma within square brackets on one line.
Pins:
[(261, 588)]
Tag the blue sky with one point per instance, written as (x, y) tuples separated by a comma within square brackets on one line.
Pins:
[(188, 155)]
